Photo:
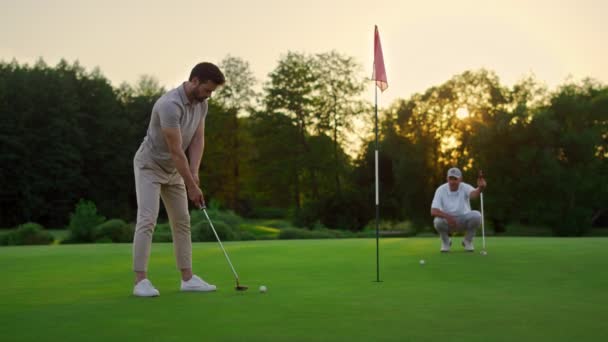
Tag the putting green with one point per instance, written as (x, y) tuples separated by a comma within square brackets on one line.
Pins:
[(525, 289)]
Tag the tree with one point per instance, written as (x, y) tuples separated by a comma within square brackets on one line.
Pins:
[(290, 93), (272, 166), (236, 97), (339, 86), (238, 93), (219, 168)]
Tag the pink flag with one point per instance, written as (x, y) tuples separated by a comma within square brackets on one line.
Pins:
[(379, 72)]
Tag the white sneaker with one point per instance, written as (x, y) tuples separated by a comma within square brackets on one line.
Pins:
[(468, 245), (446, 244), (144, 288), (197, 284)]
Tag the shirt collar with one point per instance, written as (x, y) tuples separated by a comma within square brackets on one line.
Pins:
[(182, 94)]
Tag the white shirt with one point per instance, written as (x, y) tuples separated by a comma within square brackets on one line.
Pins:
[(454, 203)]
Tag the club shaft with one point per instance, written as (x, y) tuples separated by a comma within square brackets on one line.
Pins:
[(221, 245)]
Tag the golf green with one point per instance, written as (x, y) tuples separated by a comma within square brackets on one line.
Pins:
[(525, 289)]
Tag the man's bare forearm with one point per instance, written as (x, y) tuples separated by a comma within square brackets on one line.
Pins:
[(475, 193), (181, 164), (438, 213), (195, 154)]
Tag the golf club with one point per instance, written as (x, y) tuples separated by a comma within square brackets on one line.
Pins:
[(238, 287), (483, 230)]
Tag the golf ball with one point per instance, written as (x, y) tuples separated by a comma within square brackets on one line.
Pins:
[(484, 253), (422, 262), (263, 289)]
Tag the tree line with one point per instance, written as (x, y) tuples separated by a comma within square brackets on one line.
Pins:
[(67, 134)]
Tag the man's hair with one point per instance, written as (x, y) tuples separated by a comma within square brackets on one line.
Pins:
[(207, 72)]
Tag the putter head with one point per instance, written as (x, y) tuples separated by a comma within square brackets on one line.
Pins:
[(240, 287)]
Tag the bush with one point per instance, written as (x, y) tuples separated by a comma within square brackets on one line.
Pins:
[(6, 237), (294, 233), (394, 228), (575, 222), (406, 228), (268, 213), (518, 229), (318, 226), (115, 230), (275, 223), (345, 211), (229, 217), (366, 234), (245, 235), (322, 233), (27, 234), (162, 233), (202, 231), (83, 222)]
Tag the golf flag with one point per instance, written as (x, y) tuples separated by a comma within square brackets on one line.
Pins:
[(379, 72), (379, 76)]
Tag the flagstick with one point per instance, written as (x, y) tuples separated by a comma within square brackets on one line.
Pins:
[(377, 191), (379, 77)]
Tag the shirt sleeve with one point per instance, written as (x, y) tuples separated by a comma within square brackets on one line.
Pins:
[(437, 200), (169, 114)]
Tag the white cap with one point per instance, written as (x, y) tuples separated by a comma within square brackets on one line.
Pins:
[(454, 172)]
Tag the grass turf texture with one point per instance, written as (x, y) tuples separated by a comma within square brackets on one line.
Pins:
[(525, 289)]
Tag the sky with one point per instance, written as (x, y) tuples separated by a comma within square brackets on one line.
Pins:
[(425, 42)]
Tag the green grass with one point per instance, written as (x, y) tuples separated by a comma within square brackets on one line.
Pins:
[(526, 289)]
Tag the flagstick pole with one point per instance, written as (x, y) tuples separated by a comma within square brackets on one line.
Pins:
[(377, 190)]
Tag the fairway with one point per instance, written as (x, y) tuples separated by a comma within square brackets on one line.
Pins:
[(525, 289)]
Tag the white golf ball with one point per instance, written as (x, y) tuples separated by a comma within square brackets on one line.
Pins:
[(263, 289), (484, 253), (422, 262)]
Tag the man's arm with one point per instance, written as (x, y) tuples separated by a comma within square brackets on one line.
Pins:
[(173, 138), (438, 213), (196, 149), (475, 193), (481, 185)]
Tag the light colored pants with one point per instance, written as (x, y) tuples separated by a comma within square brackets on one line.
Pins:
[(152, 182), (468, 222)]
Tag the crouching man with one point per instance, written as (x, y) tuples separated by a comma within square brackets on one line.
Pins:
[(451, 208)]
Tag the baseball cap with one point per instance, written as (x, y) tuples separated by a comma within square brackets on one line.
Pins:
[(454, 172)]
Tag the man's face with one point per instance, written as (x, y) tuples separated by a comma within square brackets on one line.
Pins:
[(203, 91), (454, 182)]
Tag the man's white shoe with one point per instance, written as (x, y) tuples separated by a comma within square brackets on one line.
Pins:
[(197, 284), (468, 245), (144, 288), (446, 243)]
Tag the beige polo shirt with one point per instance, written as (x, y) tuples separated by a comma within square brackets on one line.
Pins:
[(172, 110)]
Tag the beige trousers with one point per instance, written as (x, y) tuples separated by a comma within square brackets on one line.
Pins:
[(152, 182)]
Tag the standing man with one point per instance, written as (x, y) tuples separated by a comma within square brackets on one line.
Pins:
[(166, 166), (451, 208)]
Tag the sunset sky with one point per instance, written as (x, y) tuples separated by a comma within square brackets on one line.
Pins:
[(425, 42)]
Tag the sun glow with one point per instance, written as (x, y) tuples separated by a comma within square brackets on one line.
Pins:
[(449, 143), (462, 113)]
